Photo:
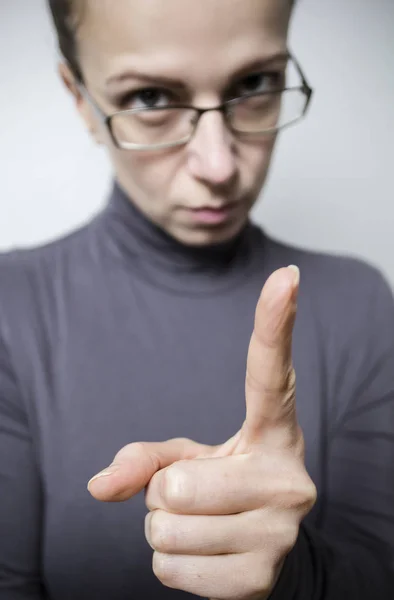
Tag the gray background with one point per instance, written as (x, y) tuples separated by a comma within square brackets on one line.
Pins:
[(331, 185)]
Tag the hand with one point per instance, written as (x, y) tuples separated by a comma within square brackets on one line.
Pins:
[(222, 519)]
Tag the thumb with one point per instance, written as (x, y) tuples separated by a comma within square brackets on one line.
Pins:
[(135, 464)]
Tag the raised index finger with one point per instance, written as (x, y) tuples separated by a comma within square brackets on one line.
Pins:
[(270, 380)]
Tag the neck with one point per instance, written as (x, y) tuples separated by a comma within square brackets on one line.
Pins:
[(164, 260)]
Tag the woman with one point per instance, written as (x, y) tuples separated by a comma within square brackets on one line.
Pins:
[(137, 327)]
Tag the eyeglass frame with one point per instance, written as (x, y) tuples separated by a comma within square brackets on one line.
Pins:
[(223, 108)]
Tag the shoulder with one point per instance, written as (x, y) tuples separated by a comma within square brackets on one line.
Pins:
[(22, 266), (344, 298), (332, 278), (30, 277), (349, 306)]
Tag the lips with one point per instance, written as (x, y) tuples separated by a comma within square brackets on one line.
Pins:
[(212, 215), (221, 207)]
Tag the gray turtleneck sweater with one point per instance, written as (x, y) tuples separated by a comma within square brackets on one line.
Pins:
[(117, 333)]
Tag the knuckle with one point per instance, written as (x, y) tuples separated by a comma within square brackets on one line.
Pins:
[(261, 577), (303, 492), (164, 569), (291, 380), (288, 394), (177, 488), (282, 381), (298, 488), (124, 452), (140, 450), (310, 494), (162, 535)]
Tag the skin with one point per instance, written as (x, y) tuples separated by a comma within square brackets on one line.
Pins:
[(221, 519), (202, 45)]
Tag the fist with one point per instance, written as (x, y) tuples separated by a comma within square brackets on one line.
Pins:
[(222, 519)]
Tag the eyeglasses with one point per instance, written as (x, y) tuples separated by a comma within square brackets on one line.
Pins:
[(259, 113)]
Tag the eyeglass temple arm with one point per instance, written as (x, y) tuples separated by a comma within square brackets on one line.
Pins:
[(305, 84), (99, 112)]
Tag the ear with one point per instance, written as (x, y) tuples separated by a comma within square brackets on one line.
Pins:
[(84, 108)]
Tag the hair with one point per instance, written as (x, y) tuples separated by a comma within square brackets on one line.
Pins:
[(67, 16)]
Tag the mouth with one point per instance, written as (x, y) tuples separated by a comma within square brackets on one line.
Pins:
[(208, 215)]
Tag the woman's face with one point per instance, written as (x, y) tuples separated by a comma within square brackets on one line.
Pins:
[(199, 52)]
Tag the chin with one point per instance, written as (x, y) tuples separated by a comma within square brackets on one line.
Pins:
[(208, 236)]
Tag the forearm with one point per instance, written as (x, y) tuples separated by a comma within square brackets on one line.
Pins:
[(320, 569)]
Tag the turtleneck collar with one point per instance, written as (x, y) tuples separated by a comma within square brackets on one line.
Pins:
[(162, 260)]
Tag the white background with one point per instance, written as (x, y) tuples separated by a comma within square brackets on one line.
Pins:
[(331, 185)]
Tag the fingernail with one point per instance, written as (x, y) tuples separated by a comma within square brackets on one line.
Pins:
[(296, 274), (105, 473)]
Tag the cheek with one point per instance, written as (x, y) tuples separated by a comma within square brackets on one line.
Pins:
[(149, 175), (255, 159), (144, 172)]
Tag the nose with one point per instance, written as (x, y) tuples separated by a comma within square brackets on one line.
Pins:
[(211, 152)]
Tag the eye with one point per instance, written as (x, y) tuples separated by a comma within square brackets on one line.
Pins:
[(260, 82), (145, 98)]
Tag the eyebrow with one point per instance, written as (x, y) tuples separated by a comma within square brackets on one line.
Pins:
[(259, 63)]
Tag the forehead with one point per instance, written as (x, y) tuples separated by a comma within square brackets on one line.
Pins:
[(180, 37)]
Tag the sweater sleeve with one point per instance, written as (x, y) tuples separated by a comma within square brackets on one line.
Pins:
[(350, 553), (20, 496)]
